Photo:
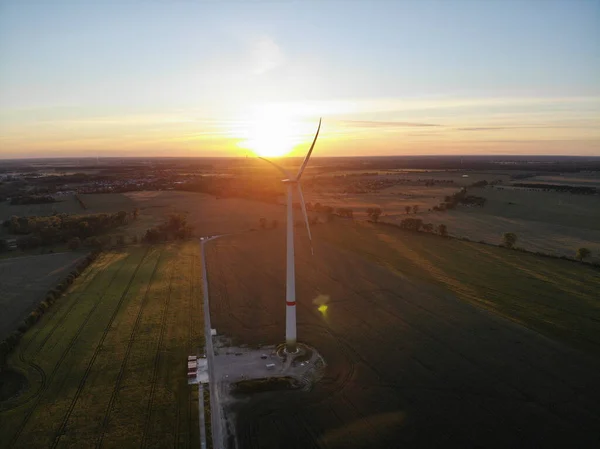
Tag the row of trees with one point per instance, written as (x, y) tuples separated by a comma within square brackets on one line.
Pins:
[(417, 225), (414, 209), (374, 213), (460, 197), (580, 190), (7, 345), (32, 199), (318, 207), (344, 212), (509, 240)]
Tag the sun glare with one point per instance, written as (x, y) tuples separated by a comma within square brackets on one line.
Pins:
[(270, 137)]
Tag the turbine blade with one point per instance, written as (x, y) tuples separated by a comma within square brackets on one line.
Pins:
[(303, 166), (281, 169), (303, 204)]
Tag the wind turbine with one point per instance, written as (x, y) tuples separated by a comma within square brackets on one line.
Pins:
[(290, 285)]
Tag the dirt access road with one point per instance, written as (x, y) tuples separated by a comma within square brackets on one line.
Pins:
[(409, 365)]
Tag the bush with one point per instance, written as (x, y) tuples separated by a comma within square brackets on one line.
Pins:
[(13, 338), (92, 242), (509, 239), (31, 319), (74, 243), (411, 224)]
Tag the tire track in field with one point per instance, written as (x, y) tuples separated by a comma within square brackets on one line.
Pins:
[(63, 425), (156, 363), (117, 386), (61, 359), (469, 360), (190, 348), (34, 365), (178, 417), (63, 318), (34, 336)]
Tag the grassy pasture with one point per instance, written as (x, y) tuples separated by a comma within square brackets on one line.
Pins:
[(406, 350), (556, 223), (565, 209), (25, 282), (105, 366)]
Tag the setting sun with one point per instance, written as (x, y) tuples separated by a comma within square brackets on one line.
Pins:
[(270, 136)]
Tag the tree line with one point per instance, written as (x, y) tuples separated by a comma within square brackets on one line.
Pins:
[(460, 197), (175, 228), (61, 228), (32, 199), (11, 341), (580, 190), (509, 240)]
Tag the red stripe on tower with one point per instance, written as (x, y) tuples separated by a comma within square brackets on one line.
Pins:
[(290, 303)]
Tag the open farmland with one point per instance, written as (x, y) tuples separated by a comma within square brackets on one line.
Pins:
[(421, 338), (207, 214), (105, 366), (66, 204), (25, 281), (551, 222)]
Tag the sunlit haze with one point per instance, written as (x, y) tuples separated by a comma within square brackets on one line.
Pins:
[(230, 78)]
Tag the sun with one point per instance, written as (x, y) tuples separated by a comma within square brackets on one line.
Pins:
[(270, 136)]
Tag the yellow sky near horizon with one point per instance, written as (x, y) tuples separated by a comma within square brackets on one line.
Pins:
[(350, 127)]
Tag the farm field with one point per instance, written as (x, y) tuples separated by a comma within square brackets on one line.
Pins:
[(422, 340), (65, 205), (551, 222), (25, 282), (589, 179), (206, 213), (392, 200), (106, 365)]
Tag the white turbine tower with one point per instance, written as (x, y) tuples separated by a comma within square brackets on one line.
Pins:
[(290, 287)]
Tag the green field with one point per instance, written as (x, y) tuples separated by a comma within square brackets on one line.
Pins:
[(555, 297), (106, 365)]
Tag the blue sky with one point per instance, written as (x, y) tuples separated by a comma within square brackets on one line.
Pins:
[(166, 77)]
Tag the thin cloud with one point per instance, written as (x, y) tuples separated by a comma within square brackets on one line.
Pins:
[(483, 128), (494, 128), (376, 124)]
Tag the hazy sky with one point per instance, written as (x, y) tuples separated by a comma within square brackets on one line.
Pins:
[(202, 77)]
